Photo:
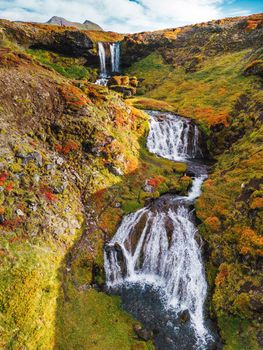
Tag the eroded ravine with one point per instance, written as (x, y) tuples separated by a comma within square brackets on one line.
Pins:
[(154, 260)]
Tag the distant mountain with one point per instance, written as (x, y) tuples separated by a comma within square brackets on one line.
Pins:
[(60, 21)]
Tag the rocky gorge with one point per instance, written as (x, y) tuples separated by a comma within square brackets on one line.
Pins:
[(77, 158)]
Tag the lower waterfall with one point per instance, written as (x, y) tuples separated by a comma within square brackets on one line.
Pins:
[(155, 254)]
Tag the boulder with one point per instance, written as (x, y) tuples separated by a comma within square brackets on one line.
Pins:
[(115, 80), (134, 81), (120, 80), (142, 333), (127, 91)]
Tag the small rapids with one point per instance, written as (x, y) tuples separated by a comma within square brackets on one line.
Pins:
[(154, 260)]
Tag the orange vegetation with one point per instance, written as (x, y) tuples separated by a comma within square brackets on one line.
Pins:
[(48, 194), (74, 97), (213, 223), (71, 145), (256, 203), (221, 276), (156, 181), (250, 242)]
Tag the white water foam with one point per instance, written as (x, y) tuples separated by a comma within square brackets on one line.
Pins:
[(158, 246), (169, 137)]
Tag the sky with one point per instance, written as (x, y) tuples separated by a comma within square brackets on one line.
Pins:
[(129, 16)]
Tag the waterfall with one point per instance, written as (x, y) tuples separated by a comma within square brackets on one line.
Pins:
[(114, 50), (115, 57), (169, 137), (156, 246), (102, 57), (170, 262)]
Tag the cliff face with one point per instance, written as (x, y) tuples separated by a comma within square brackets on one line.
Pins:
[(65, 40), (73, 162)]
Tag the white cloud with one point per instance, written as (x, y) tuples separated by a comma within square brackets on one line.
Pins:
[(117, 15)]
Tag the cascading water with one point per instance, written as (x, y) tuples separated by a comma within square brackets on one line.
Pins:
[(173, 138), (115, 57), (102, 56), (114, 50), (155, 249)]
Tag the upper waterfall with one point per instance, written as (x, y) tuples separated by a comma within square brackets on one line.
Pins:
[(102, 57), (107, 68), (115, 57)]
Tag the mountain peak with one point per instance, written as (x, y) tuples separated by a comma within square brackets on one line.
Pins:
[(60, 21)]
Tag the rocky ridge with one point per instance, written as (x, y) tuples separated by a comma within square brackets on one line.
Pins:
[(87, 25)]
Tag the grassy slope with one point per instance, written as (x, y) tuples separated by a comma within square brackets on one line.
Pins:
[(71, 68), (212, 89), (43, 304)]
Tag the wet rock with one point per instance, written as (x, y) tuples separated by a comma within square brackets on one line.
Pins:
[(168, 340), (55, 128), (114, 170), (127, 91), (32, 206), (217, 127), (254, 68), (184, 317), (58, 189), (142, 333)]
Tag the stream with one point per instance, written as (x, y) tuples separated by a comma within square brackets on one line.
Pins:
[(154, 261)]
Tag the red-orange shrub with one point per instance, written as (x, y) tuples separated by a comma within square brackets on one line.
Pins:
[(156, 181)]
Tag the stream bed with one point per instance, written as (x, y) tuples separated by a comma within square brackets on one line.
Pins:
[(154, 261)]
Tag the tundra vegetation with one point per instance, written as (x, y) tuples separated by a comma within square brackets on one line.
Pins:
[(73, 161)]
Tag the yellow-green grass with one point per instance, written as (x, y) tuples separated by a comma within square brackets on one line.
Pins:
[(207, 94), (71, 68)]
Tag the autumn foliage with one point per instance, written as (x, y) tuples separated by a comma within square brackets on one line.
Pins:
[(48, 194), (74, 97), (70, 146), (155, 181)]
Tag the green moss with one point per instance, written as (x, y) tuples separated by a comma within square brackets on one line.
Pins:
[(131, 206), (71, 68), (237, 334), (93, 320)]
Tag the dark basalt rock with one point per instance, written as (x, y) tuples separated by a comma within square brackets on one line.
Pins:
[(184, 317), (71, 43)]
